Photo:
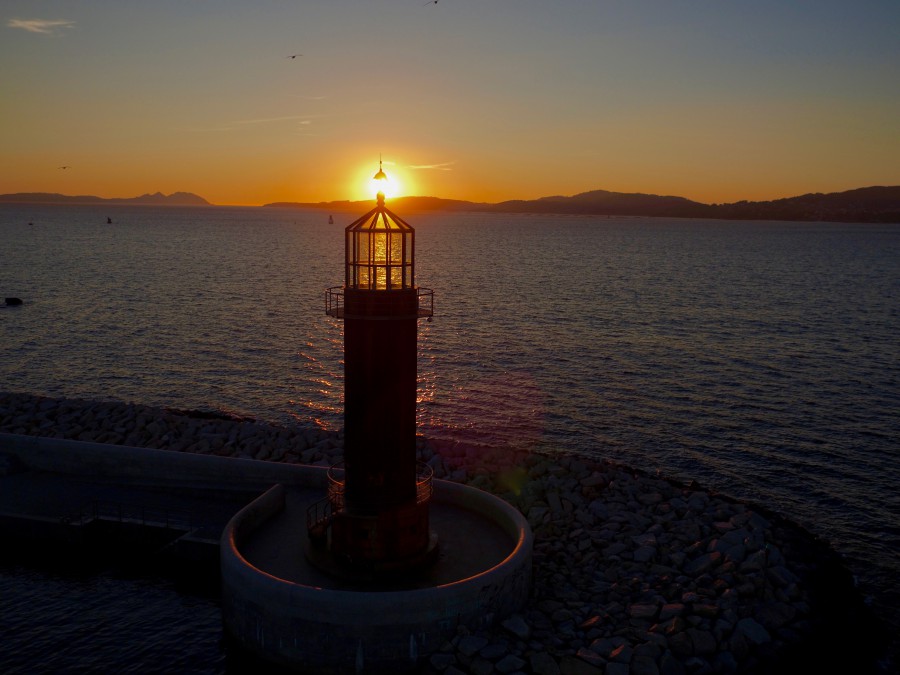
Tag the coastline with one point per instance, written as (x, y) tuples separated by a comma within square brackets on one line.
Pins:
[(634, 574)]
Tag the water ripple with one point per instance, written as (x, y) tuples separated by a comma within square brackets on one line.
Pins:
[(758, 358)]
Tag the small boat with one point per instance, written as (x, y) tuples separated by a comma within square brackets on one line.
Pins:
[(108, 220), (330, 220)]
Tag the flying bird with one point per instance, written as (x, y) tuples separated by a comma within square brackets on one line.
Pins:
[(293, 56), (430, 2), (64, 167)]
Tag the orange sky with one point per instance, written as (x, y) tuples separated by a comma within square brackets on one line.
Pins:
[(478, 101)]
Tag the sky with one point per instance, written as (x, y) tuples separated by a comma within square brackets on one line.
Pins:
[(482, 100)]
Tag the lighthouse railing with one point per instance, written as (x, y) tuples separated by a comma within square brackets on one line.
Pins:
[(334, 302), (426, 302), (336, 487), (424, 483)]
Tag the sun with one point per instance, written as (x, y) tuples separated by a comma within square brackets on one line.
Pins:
[(389, 181), (389, 185)]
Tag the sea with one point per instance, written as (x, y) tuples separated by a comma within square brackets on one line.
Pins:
[(759, 359)]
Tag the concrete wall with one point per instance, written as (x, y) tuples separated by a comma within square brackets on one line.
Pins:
[(153, 467), (330, 631)]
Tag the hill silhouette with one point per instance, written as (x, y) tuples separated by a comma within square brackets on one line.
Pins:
[(157, 198), (869, 204), (876, 204)]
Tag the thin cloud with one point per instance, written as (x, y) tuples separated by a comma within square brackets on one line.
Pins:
[(443, 166), (266, 120), (43, 26), (304, 122)]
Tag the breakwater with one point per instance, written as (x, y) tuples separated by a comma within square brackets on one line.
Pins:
[(634, 574)]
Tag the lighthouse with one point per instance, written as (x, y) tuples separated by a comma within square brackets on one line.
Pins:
[(363, 589), (375, 519)]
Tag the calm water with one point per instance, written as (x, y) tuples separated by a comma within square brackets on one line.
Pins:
[(760, 359), (104, 622)]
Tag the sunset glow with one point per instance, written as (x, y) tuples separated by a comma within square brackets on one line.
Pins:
[(366, 187), (389, 186), (649, 97)]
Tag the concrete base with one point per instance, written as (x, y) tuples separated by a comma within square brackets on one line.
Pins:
[(284, 610), (321, 557)]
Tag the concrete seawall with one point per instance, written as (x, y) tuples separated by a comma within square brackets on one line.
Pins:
[(150, 466)]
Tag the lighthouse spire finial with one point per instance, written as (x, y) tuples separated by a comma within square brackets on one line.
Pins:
[(381, 175)]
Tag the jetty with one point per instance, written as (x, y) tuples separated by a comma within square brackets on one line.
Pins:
[(632, 572)]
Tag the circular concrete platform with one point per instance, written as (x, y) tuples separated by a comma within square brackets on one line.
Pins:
[(281, 608)]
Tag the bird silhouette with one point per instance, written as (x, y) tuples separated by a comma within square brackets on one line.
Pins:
[(293, 56), (64, 167), (430, 2)]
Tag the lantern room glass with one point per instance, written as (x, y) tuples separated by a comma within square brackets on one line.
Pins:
[(379, 253)]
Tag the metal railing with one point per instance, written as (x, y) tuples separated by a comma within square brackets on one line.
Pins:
[(334, 302), (424, 483), (336, 487), (426, 302), (319, 515)]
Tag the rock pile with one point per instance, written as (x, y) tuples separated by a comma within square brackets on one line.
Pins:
[(634, 574)]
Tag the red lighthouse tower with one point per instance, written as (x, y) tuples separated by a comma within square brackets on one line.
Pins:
[(376, 516)]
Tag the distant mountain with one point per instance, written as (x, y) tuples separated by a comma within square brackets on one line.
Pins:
[(863, 205), (397, 203), (157, 199), (603, 202)]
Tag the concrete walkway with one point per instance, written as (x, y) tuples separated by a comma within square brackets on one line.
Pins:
[(468, 544), (39, 496)]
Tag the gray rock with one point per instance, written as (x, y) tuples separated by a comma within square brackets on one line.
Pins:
[(605, 646), (644, 666), (591, 657), (509, 664), (644, 553), (670, 610), (617, 669), (572, 665), (670, 665), (755, 562), (480, 666), (614, 549), (704, 642), (440, 661), (703, 564), (698, 666), (753, 631), (494, 651), (543, 664), (725, 662), (681, 644), (621, 654), (517, 626), (782, 576), (643, 611), (469, 645)]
